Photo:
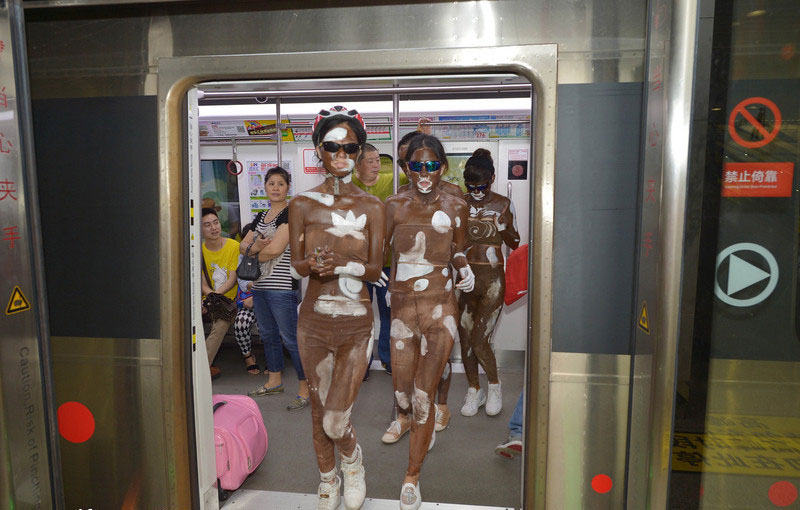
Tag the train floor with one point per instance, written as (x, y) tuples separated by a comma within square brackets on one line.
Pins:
[(461, 469)]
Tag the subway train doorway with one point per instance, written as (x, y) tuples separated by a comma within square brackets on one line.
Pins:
[(233, 140)]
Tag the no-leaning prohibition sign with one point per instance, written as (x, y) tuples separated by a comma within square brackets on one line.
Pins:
[(741, 109)]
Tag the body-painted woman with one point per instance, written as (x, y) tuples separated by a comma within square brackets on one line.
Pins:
[(491, 223), (427, 228), (336, 239)]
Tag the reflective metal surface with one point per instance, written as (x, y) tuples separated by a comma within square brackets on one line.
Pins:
[(101, 53), (588, 413), (26, 420), (535, 63)]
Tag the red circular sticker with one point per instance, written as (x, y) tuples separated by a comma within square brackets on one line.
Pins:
[(754, 123), (602, 483), (75, 422), (782, 493), (517, 170)]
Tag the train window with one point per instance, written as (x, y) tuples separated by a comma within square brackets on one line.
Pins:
[(465, 113)]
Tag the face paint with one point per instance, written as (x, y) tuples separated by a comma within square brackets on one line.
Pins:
[(478, 195), (336, 134), (347, 225), (440, 222)]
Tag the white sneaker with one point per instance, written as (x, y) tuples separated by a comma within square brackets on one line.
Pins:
[(328, 494), (355, 488), (473, 401), (395, 431), (494, 402), (442, 419), (410, 497)]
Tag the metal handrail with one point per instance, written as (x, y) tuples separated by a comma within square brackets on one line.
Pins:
[(388, 91)]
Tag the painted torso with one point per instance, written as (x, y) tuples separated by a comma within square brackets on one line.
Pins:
[(488, 219)]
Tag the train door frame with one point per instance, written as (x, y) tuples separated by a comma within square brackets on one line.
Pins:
[(177, 76)]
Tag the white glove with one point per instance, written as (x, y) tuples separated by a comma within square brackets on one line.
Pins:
[(467, 282)]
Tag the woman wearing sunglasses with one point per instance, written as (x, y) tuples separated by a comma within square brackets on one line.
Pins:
[(428, 231), (336, 233), (491, 223)]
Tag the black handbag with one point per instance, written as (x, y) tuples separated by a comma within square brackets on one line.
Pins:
[(218, 306), (249, 268)]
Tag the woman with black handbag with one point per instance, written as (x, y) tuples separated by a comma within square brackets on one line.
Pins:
[(274, 292)]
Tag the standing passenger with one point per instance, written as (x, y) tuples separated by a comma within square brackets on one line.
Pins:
[(491, 223), (274, 293), (427, 229), (337, 239)]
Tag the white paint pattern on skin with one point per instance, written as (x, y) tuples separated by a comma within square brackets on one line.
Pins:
[(425, 186), (351, 268), (469, 352), (350, 286), (440, 222), (421, 284), (349, 177), (399, 345), (450, 323), (493, 320), (437, 312), (402, 399), (459, 254), (347, 225), (336, 424), (494, 289), (322, 198), (328, 304), (420, 405), (400, 330), (458, 221), (478, 195), (491, 256), (446, 372), (466, 321), (336, 134), (324, 371), (294, 273), (423, 345), (412, 263), (368, 350), (445, 272), (448, 286)]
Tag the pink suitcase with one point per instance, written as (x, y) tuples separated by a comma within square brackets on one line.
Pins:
[(240, 438)]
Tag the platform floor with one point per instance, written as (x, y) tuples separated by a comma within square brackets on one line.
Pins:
[(461, 469)]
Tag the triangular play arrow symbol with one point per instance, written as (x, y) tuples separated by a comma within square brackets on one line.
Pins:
[(742, 274)]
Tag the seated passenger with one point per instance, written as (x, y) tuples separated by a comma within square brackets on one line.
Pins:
[(220, 259)]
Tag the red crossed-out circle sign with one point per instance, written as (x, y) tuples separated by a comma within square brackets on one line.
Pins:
[(741, 109)]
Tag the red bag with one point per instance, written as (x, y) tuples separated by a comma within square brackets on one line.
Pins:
[(240, 438), (516, 274)]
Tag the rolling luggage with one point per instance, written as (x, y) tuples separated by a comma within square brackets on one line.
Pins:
[(240, 438)]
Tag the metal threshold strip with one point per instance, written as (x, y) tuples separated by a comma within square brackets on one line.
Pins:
[(254, 499)]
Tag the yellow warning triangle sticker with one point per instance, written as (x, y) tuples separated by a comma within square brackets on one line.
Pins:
[(644, 322), (18, 302)]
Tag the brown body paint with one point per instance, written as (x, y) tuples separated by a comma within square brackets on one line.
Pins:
[(337, 240), (426, 230), (491, 223)]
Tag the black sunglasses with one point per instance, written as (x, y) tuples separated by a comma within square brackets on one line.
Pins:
[(349, 148), (430, 166), (480, 187)]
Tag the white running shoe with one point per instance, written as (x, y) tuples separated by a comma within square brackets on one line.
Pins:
[(395, 431), (355, 488), (494, 401), (473, 401), (410, 497), (442, 419), (328, 494)]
